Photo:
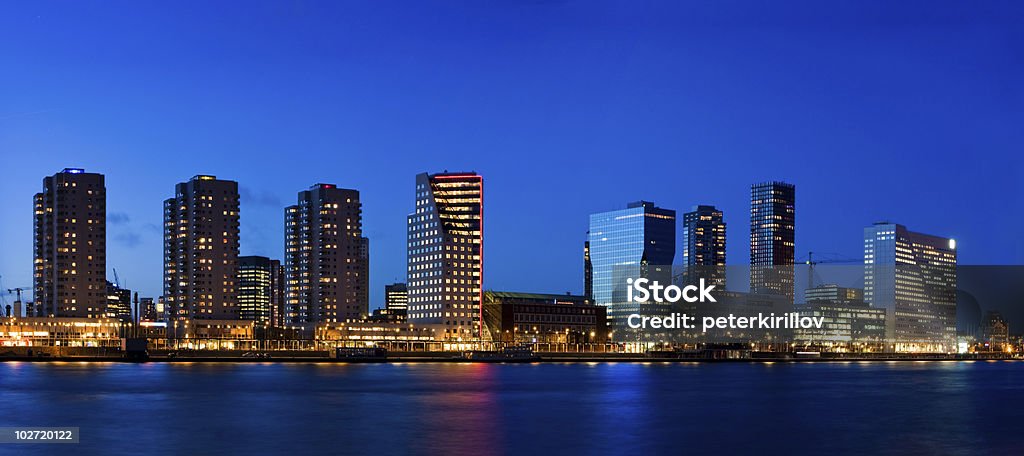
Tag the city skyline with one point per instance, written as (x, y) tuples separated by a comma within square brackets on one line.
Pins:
[(310, 226), (678, 250), (847, 109)]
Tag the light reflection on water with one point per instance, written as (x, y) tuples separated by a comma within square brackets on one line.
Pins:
[(586, 408)]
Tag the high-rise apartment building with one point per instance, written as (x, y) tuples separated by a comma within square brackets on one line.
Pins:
[(913, 276), (70, 249), (396, 296), (445, 254), (638, 241), (201, 250), (704, 245), (772, 238), (327, 264)]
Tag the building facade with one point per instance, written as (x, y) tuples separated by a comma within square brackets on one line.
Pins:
[(996, 331), (704, 245), (638, 241), (588, 272), (60, 331), (396, 296), (848, 322), (772, 238), (255, 288), (835, 294), (201, 239), (278, 296), (445, 254), (327, 264), (147, 310), (70, 248), (913, 276), (547, 318), (119, 302)]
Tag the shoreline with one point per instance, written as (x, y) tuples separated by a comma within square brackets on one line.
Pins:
[(456, 360)]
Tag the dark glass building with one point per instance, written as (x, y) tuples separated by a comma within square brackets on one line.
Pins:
[(119, 302), (396, 296), (638, 241), (772, 238), (255, 288), (704, 246), (588, 273), (278, 301)]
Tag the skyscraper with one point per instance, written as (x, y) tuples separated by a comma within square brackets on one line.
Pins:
[(327, 264), (772, 237), (912, 276), (445, 254), (278, 301), (255, 288), (201, 250), (588, 273), (626, 243), (704, 245), (70, 251), (396, 296)]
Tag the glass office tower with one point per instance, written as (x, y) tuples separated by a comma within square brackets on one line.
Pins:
[(772, 238), (704, 245), (255, 288), (912, 276), (629, 243), (396, 297)]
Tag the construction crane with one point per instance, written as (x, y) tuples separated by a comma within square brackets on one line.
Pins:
[(16, 291), (836, 259)]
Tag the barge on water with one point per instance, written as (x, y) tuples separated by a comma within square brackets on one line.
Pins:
[(521, 354), (361, 353)]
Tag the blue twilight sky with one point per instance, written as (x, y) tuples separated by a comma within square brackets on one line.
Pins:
[(906, 111)]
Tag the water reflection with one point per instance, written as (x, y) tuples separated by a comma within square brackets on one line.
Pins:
[(591, 408)]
